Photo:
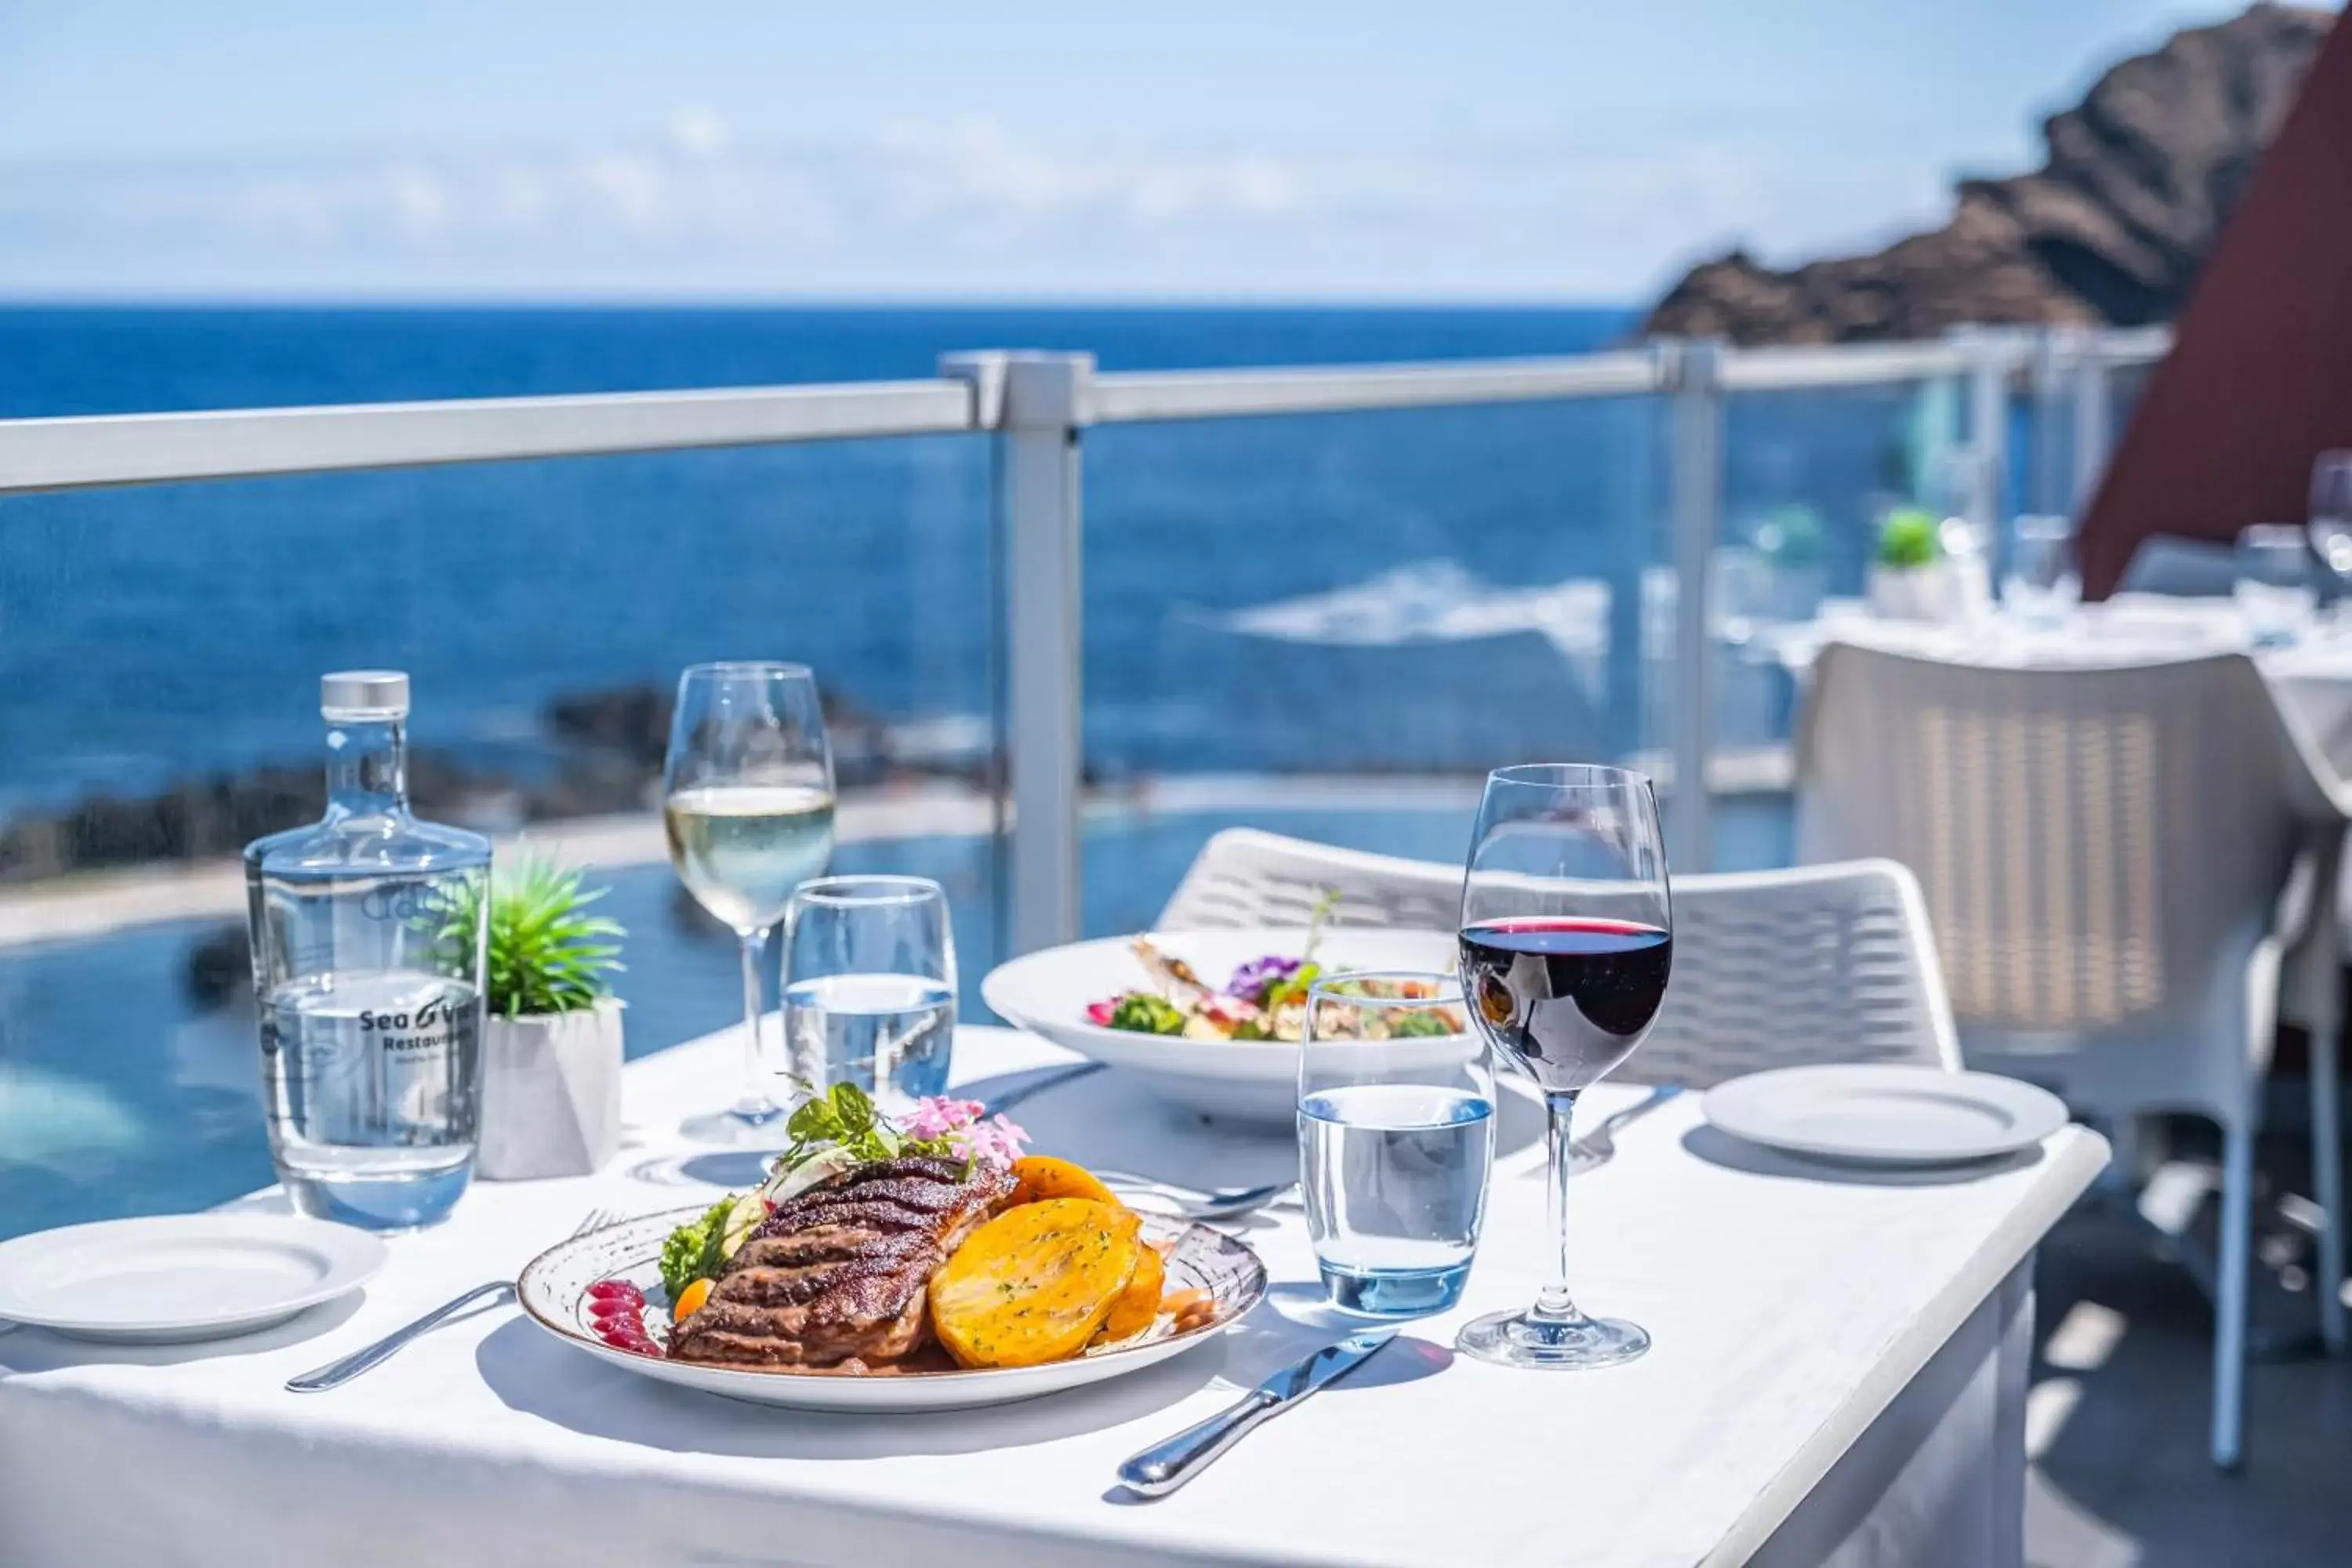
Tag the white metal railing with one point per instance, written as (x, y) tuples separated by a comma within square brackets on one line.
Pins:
[(247, 442), (1039, 406)]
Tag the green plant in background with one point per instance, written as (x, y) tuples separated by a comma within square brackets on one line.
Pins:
[(547, 952), (1791, 536), (1907, 538)]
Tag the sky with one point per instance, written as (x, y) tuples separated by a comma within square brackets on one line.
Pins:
[(1285, 150)]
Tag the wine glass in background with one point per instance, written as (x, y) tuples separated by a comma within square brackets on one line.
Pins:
[(2274, 589), (870, 987), (1567, 941), (2330, 527), (747, 798)]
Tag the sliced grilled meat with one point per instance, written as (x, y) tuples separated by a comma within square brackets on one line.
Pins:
[(841, 1271)]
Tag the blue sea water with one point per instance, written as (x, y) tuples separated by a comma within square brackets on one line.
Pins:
[(160, 634), (152, 634)]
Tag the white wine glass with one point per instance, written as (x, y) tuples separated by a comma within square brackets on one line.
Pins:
[(746, 799)]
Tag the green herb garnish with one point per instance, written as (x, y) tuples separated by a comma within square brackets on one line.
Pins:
[(1326, 904), (1293, 988), (844, 1118)]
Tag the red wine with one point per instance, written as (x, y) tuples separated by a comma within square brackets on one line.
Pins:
[(1569, 998)]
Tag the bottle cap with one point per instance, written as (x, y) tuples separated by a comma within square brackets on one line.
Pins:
[(361, 695)]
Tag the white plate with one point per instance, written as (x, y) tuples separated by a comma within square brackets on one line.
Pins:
[(1885, 1114), (554, 1291), (172, 1278), (1047, 993)]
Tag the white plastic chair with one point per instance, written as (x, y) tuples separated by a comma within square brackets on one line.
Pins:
[(1824, 963), (2117, 864)]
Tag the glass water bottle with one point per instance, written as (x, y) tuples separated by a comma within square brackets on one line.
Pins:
[(367, 930)]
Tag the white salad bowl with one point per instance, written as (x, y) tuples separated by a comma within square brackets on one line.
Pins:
[(1047, 993)]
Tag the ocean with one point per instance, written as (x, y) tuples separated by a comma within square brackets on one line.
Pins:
[(153, 637)]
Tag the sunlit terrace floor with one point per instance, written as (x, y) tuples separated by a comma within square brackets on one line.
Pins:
[(2117, 1421)]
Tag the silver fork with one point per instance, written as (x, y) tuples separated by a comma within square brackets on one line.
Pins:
[(1598, 1147), (337, 1373)]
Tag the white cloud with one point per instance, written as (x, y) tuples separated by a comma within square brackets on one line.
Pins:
[(943, 210), (696, 132)]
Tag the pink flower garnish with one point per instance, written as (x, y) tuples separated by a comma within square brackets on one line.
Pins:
[(1100, 1014), (939, 1115), (972, 1135), (994, 1142)]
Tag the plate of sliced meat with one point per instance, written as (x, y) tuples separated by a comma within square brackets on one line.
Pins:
[(911, 1282)]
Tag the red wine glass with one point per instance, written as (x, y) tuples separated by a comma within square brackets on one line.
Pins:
[(1566, 940)]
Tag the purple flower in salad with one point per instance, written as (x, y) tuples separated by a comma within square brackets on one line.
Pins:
[(1253, 980)]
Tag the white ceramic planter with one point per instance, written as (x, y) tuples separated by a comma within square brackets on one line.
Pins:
[(1913, 593), (551, 1093)]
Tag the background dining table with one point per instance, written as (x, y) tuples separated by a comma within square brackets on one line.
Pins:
[(2312, 672), (1838, 1377)]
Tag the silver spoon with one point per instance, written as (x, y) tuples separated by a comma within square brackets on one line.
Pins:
[(1196, 1203)]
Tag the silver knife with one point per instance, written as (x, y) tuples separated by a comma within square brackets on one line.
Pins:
[(1162, 1467)]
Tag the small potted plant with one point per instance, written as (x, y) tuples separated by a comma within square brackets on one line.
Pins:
[(1909, 580), (551, 1040)]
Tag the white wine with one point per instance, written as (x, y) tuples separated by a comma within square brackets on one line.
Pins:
[(741, 849)]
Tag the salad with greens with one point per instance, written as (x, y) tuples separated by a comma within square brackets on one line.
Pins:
[(1265, 998)]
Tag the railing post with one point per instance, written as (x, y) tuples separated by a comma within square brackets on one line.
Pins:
[(1693, 373), (1042, 407), (1992, 356), (2054, 349)]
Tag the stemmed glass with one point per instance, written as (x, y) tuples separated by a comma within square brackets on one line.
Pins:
[(1566, 940), (747, 797), (2330, 524)]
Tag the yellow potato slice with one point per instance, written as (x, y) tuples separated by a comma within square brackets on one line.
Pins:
[(1034, 1283), (1138, 1304)]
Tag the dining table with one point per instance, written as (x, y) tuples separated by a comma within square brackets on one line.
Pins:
[(2310, 668), (1838, 1376)]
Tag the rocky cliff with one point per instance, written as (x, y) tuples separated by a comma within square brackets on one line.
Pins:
[(2111, 229)]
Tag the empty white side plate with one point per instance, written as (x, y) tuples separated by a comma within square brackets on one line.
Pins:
[(1885, 1114), (180, 1277)]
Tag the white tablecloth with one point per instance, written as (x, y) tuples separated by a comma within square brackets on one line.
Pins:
[(2313, 673), (1838, 1376)]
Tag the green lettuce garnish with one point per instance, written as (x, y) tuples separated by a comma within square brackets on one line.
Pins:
[(695, 1250), (1409, 1025), (1146, 1013)]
